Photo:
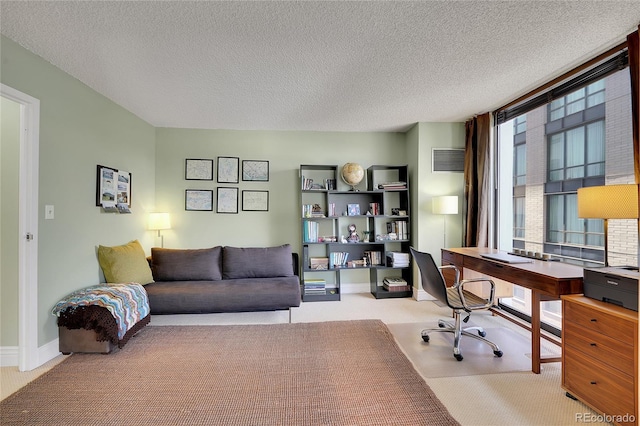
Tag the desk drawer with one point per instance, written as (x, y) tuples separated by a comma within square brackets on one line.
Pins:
[(449, 258), (597, 384), (600, 322), (614, 353)]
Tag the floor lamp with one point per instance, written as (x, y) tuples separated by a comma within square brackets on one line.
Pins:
[(445, 205), (608, 202), (158, 222)]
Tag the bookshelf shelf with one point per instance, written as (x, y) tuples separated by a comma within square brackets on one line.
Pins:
[(382, 210)]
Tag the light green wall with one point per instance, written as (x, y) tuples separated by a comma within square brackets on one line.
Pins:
[(9, 159), (285, 151), (427, 228), (79, 129), (428, 184)]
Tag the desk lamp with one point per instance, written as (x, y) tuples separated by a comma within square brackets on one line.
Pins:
[(159, 221), (608, 202), (445, 205)]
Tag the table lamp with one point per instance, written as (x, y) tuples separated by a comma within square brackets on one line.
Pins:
[(158, 222), (608, 202), (445, 205)]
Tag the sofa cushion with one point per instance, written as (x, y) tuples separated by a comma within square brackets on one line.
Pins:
[(125, 264), (254, 262), (186, 264)]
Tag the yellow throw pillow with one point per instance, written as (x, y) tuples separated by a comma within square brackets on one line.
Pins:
[(125, 264)]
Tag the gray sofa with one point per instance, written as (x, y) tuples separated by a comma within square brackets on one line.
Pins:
[(223, 279)]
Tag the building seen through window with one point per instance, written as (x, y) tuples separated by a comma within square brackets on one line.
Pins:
[(581, 139)]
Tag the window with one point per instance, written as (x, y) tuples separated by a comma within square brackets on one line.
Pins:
[(577, 101), (582, 137), (518, 218), (577, 153), (565, 227)]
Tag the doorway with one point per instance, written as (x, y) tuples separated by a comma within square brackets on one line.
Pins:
[(29, 126)]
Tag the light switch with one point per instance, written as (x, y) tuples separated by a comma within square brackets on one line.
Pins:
[(48, 211)]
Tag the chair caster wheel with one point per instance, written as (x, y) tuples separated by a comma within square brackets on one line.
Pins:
[(497, 353), (482, 333), (458, 357), (426, 338)]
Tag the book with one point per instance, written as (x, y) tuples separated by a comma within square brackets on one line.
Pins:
[(393, 288), (319, 263)]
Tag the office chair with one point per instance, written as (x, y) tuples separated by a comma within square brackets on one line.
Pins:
[(456, 298)]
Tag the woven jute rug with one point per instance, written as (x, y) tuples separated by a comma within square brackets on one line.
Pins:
[(330, 373)]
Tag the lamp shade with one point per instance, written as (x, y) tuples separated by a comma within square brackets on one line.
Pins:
[(158, 221), (608, 202), (445, 204)]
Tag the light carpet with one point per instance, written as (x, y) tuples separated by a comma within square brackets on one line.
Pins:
[(328, 373), (435, 358)]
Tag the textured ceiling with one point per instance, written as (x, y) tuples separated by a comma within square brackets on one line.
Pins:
[(307, 65)]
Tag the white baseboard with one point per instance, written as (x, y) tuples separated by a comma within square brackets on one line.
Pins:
[(355, 288), (8, 356), (48, 351), (419, 294)]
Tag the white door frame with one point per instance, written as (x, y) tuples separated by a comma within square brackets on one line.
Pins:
[(28, 357)]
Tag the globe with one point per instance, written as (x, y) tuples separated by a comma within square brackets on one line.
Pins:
[(352, 174)]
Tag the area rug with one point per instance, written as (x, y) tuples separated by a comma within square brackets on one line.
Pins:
[(435, 359), (330, 373)]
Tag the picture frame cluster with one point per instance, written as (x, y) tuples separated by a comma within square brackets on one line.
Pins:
[(227, 170)]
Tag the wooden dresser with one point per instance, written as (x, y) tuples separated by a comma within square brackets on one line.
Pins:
[(600, 357)]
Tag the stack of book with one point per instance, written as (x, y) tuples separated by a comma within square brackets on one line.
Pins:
[(338, 259), (319, 263), (397, 259), (398, 227), (373, 257), (310, 231), (395, 284), (392, 185), (374, 208), (308, 211), (315, 287)]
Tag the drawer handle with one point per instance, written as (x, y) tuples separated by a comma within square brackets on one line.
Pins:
[(593, 344), (594, 320), (593, 383)]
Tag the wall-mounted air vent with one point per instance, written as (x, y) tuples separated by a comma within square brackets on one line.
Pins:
[(447, 160)]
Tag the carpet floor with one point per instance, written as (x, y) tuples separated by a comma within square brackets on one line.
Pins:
[(329, 373)]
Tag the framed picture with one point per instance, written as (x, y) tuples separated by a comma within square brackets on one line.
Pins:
[(353, 209), (228, 169), (198, 200), (257, 201), (227, 200), (255, 170), (113, 189), (198, 169)]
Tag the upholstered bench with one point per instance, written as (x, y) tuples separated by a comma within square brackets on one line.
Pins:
[(101, 318)]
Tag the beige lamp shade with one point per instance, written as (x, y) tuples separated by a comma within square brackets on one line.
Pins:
[(445, 204), (158, 221), (608, 202)]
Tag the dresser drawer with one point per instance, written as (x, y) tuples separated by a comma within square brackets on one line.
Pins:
[(609, 351), (597, 384), (600, 322)]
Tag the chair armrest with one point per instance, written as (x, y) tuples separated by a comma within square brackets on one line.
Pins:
[(457, 282), (489, 301)]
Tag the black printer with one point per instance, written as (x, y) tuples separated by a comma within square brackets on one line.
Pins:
[(613, 284)]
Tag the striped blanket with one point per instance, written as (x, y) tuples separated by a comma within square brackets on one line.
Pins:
[(127, 303)]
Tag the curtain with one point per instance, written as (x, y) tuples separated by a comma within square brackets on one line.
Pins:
[(476, 181)]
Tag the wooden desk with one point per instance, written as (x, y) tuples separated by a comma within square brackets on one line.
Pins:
[(546, 280)]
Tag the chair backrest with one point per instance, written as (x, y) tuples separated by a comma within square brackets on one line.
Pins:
[(432, 280)]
